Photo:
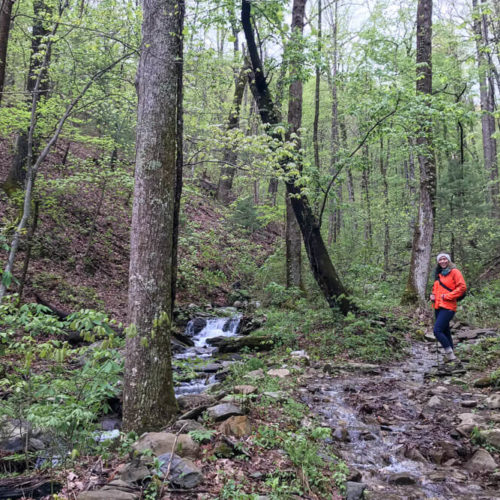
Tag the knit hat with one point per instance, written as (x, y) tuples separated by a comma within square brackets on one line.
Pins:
[(443, 255)]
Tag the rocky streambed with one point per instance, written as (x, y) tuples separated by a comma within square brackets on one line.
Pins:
[(407, 429)]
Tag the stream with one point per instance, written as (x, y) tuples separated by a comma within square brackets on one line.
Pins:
[(385, 430), (203, 352)]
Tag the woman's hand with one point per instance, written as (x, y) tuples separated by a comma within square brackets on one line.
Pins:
[(433, 297)]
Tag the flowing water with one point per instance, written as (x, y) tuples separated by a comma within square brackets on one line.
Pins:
[(215, 327), (375, 446)]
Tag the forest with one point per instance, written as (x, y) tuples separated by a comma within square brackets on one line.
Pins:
[(227, 235)]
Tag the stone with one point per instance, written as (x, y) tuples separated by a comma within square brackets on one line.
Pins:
[(208, 368), (183, 473), (435, 402), (196, 326), (108, 494), (255, 374), (493, 402), (482, 382), (163, 442), (235, 344), (223, 450), (238, 426), (354, 491), (224, 411), (469, 403), (245, 389), (492, 437), (187, 426), (134, 473), (190, 401), (279, 372), (277, 395), (468, 421), (440, 389), (402, 479), (481, 461)]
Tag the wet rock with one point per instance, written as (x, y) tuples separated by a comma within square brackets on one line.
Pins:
[(354, 491), (439, 390), (341, 434), (196, 326), (245, 389), (235, 344), (238, 426), (208, 368), (354, 475), (402, 479), (367, 436), (493, 402), (469, 403), (183, 473), (249, 324), (222, 375), (224, 411), (481, 461), (492, 437), (414, 454), (190, 401), (279, 372), (163, 442)]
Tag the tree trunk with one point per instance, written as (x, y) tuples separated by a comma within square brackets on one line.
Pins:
[(383, 172), (317, 96), (321, 264), (229, 158), (365, 186), (17, 173), (424, 226), (149, 401), (293, 237), (488, 109), (5, 21)]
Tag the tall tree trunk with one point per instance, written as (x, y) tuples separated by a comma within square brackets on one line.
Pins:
[(383, 172), (5, 21), (321, 264), (487, 109), (41, 12), (424, 226), (149, 400), (317, 94), (293, 237), (229, 157), (365, 186)]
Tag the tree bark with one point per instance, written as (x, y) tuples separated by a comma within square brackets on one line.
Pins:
[(424, 226), (385, 188), (5, 21), (321, 264), (229, 157), (487, 110), (149, 400)]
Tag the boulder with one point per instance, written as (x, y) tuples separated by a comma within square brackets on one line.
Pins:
[(248, 324), (493, 402), (482, 382), (238, 426), (402, 479), (134, 472), (468, 421), (187, 426), (481, 461), (235, 344), (435, 402), (354, 491), (223, 411), (255, 374), (208, 368), (190, 401), (245, 389), (163, 442), (492, 437), (108, 494), (183, 473)]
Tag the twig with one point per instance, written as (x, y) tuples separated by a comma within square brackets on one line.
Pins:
[(167, 473)]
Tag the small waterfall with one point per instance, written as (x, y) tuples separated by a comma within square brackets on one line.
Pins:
[(215, 327)]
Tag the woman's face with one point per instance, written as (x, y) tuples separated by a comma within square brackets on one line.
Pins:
[(443, 262)]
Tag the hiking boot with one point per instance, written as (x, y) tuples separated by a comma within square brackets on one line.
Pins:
[(449, 357)]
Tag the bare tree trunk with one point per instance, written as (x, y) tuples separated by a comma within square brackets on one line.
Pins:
[(149, 401), (365, 186), (293, 237), (229, 158), (317, 95), (383, 172), (424, 227), (321, 264), (487, 108), (5, 21), (17, 173), (27, 255)]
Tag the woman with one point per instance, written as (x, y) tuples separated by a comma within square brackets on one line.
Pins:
[(449, 284)]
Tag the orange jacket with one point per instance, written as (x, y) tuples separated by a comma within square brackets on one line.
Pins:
[(453, 280)]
